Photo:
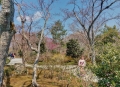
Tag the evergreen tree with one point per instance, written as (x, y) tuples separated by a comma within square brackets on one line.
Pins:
[(73, 49), (58, 32)]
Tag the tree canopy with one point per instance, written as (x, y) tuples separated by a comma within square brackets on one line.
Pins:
[(108, 35), (108, 56), (58, 32)]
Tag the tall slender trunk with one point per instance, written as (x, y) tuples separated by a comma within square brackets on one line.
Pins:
[(91, 42), (34, 82), (93, 59), (92, 38), (6, 16), (23, 59)]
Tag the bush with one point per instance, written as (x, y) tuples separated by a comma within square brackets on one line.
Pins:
[(108, 70), (73, 49)]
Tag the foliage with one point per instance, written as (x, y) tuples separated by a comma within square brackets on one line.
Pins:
[(108, 35), (108, 56), (73, 49), (108, 70), (58, 32)]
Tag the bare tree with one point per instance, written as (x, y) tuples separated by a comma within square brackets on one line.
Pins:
[(7, 30), (91, 15), (44, 7)]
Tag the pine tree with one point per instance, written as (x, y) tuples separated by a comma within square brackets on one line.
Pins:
[(58, 32)]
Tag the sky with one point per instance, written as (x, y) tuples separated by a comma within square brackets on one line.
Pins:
[(59, 4), (56, 9), (37, 14)]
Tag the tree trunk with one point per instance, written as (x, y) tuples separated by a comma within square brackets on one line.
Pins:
[(34, 82), (93, 59), (6, 33)]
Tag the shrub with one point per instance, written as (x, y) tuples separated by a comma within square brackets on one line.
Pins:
[(108, 70), (73, 49)]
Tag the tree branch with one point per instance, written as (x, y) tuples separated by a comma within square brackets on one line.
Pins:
[(29, 44), (83, 26), (100, 11)]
